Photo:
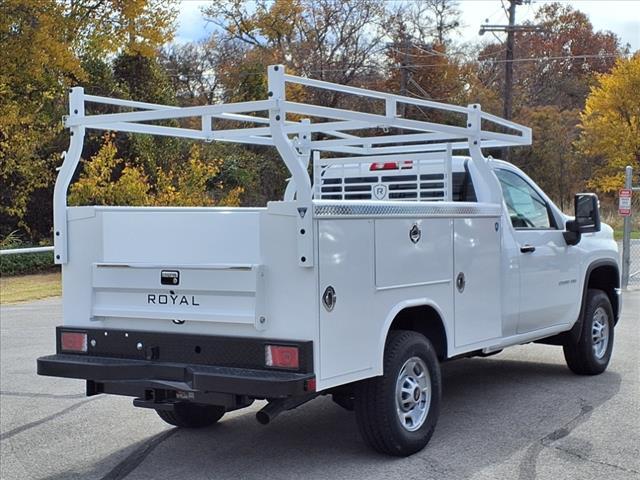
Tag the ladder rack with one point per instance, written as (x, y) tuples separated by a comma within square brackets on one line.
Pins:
[(295, 129)]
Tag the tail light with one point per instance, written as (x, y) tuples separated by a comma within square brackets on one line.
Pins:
[(73, 342), (391, 165), (282, 356)]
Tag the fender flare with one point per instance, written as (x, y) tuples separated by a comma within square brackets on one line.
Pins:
[(391, 316)]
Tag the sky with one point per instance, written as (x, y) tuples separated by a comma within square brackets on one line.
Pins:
[(620, 16)]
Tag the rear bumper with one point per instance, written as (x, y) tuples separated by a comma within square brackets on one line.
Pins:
[(161, 365), (153, 375)]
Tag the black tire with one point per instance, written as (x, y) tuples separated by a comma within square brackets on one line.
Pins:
[(192, 415), (582, 355), (345, 401), (376, 398)]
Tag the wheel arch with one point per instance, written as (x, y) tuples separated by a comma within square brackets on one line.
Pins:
[(601, 275), (419, 315)]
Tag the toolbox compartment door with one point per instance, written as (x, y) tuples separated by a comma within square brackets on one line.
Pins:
[(477, 285), (206, 293)]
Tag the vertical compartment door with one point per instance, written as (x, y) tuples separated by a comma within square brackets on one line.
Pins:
[(478, 313), (346, 270)]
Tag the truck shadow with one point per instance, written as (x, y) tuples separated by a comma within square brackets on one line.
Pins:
[(491, 408)]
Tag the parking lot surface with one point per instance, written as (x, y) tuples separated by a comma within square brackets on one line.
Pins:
[(518, 415)]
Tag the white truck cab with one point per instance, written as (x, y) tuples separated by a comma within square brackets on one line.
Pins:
[(394, 255)]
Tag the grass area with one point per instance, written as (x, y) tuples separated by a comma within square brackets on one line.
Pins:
[(23, 288), (617, 234)]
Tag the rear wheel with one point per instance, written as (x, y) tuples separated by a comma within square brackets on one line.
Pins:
[(590, 354), (192, 415), (397, 412), (345, 401)]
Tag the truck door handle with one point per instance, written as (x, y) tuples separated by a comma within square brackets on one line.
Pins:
[(527, 248)]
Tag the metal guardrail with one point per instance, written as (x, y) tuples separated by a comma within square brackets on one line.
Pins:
[(17, 251)]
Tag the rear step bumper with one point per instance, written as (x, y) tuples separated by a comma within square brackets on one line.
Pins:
[(176, 376)]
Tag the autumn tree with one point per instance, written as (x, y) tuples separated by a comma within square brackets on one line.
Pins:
[(192, 69), (423, 61), (37, 63), (330, 40), (108, 179), (431, 21), (551, 160), (556, 64), (135, 26), (46, 45), (610, 124)]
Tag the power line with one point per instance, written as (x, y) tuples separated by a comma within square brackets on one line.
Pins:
[(436, 65)]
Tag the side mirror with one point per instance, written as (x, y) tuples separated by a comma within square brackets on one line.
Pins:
[(587, 212), (587, 218)]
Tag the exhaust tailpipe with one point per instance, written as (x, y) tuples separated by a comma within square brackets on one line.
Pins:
[(275, 407), (270, 411)]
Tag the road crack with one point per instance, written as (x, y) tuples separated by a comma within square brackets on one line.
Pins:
[(41, 395), (591, 460), (135, 458), (530, 460), (27, 426)]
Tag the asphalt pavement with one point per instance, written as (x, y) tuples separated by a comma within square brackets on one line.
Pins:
[(518, 415)]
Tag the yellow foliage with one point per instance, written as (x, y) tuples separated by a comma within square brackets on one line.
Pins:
[(232, 199), (42, 43), (277, 21), (136, 26), (107, 180), (610, 124), (186, 186), (96, 185)]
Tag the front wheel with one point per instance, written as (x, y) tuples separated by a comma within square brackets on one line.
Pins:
[(192, 415), (397, 412), (590, 354)]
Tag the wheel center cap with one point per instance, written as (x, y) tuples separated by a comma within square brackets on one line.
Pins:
[(416, 394)]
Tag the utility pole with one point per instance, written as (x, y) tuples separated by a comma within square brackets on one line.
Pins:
[(402, 47), (510, 30), (508, 66), (404, 70)]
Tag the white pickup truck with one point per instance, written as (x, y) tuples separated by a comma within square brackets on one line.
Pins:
[(387, 256)]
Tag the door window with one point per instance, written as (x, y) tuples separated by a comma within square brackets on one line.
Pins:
[(526, 207)]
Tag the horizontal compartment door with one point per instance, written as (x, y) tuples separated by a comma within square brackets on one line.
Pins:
[(209, 293)]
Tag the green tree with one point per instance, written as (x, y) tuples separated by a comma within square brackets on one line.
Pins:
[(143, 79)]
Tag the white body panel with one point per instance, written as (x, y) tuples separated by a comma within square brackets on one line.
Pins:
[(239, 275)]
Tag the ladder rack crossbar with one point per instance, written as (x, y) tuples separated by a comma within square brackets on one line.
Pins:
[(339, 126)]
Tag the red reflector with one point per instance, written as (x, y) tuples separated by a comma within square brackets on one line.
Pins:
[(73, 342), (310, 385), (281, 356)]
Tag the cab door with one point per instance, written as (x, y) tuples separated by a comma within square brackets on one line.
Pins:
[(548, 267)]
